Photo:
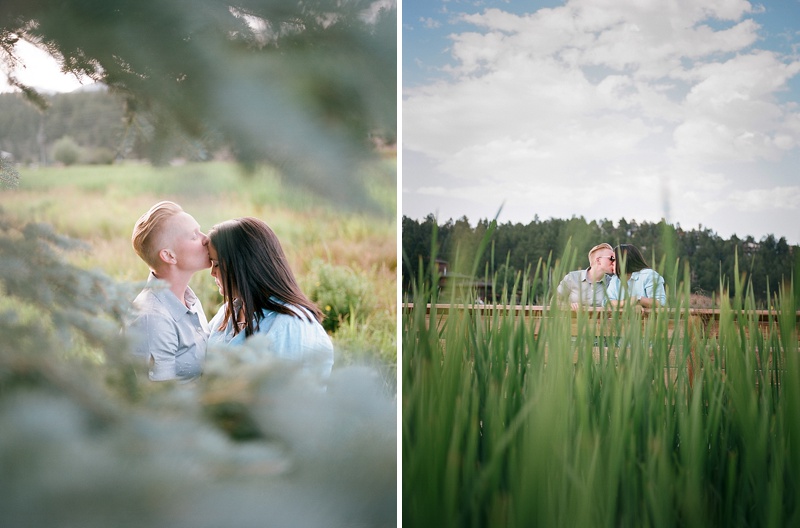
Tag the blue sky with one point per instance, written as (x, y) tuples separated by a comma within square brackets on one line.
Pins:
[(644, 109)]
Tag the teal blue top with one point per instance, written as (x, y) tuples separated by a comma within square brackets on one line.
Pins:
[(300, 339), (644, 283)]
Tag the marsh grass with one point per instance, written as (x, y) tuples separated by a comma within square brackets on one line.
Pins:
[(656, 423), (99, 205)]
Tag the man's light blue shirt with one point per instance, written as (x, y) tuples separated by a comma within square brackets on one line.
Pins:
[(297, 339), (644, 283), (169, 335), (576, 288)]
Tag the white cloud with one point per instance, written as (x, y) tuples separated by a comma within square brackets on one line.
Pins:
[(430, 23), (663, 13), (633, 102), (732, 111), (766, 200), (432, 191)]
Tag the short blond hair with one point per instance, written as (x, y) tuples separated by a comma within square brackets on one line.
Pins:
[(597, 248), (148, 227)]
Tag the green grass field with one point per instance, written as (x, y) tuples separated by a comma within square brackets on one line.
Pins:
[(99, 205)]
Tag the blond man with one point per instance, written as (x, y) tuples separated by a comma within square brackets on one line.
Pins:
[(587, 287), (170, 329)]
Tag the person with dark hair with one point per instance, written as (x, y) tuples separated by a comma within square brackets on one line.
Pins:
[(168, 327), (587, 287), (643, 285), (262, 297)]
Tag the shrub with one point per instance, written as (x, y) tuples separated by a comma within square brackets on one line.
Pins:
[(340, 294), (66, 151), (99, 156)]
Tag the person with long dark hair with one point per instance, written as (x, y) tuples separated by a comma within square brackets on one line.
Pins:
[(643, 285), (262, 297)]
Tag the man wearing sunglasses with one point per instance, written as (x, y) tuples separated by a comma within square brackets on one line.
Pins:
[(588, 287)]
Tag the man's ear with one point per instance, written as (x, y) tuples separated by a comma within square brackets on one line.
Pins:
[(167, 256)]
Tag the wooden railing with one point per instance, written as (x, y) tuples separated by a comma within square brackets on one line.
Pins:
[(701, 323), (533, 315)]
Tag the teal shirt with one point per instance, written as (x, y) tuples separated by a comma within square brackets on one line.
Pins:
[(644, 283), (296, 339)]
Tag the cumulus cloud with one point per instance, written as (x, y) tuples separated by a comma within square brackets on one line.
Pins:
[(605, 95)]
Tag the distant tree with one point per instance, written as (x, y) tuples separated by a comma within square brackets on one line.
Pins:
[(416, 248), (517, 247), (300, 85), (774, 263), (94, 119)]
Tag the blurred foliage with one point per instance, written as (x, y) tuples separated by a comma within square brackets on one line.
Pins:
[(89, 441), (9, 176), (98, 156), (305, 86), (64, 297)]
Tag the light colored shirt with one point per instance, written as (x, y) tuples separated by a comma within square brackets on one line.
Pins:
[(296, 339), (644, 283), (168, 335), (576, 288)]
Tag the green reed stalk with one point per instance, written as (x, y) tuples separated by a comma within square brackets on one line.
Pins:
[(633, 421)]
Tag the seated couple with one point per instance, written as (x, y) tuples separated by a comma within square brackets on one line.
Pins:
[(600, 284), (261, 296)]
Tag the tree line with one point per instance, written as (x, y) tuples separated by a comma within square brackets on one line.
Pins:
[(82, 127), (517, 248)]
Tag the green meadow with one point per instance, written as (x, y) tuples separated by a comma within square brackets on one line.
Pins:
[(344, 257), (659, 422)]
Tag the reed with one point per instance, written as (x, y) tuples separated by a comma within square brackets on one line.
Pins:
[(655, 423)]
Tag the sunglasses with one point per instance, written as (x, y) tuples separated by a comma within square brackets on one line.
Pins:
[(612, 258)]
